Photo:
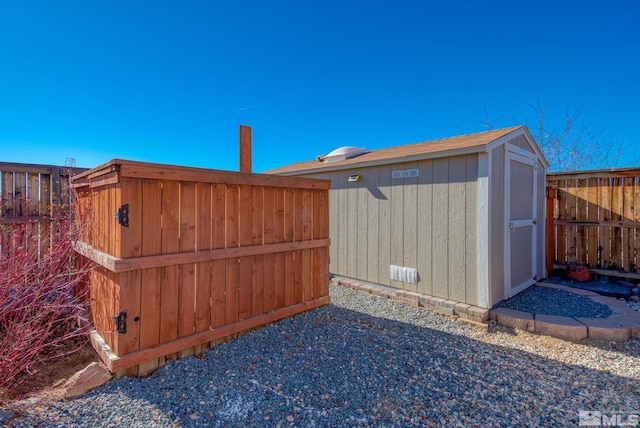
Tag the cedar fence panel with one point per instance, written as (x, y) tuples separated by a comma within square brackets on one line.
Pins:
[(595, 220), (205, 255), (32, 194)]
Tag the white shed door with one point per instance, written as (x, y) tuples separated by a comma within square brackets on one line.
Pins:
[(520, 234)]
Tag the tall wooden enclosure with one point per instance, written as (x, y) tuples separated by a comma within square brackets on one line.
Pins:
[(32, 193), (187, 256), (596, 218)]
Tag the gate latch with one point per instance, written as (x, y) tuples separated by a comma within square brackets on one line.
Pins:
[(121, 322), (123, 215)]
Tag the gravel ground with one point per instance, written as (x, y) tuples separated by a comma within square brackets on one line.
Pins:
[(366, 361), (551, 301)]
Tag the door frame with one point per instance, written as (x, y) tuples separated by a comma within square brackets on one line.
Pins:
[(514, 153)]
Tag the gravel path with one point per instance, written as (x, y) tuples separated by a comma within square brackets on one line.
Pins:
[(551, 301), (365, 361)]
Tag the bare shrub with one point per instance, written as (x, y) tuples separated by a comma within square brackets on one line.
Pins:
[(40, 292)]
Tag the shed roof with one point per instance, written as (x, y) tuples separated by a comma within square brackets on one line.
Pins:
[(462, 144)]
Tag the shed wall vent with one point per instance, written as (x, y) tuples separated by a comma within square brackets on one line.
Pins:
[(342, 153), (405, 173), (404, 274)]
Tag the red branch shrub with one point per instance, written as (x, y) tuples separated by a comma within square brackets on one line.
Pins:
[(40, 293)]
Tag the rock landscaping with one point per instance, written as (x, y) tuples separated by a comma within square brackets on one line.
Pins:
[(365, 361)]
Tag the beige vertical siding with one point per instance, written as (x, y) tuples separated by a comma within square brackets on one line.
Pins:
[(397, 227), (373, 223), (440, 226), (426, 222), (471, 230), (352, 221), (457, 229), (384, 223), (425, 248), (410, 222), (364, 203), (341, 237)]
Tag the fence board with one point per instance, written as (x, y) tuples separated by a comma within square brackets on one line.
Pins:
[(45, 195), (245, 216), (257, 285), (298, 276), (231, 301), (269, 282), (279, 279), (616, 198), (289, 279), (307, 275), (257, 215), (279, 213), (232, 220), (203, 273), (628, 204), (572, 215), (269, 226), (245, 287), (150, 315), (299, 212), (33, 194), (592, 257), (8, 197), (20, 193), (186, 287), (218, 293), (150, 278), (581, 215), (289, 210), (218, 213), (561, 234), (170, 238)]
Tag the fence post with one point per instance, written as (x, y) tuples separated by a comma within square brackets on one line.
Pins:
[(245, 148)]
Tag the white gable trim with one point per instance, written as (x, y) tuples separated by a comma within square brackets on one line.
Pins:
[(529, 139)]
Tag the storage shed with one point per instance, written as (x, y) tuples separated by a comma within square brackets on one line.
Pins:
[(458, 218)]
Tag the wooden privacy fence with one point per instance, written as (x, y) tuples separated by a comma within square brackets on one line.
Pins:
[(192, 255), (596, 218), (32, 193)]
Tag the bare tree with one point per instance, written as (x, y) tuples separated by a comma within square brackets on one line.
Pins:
[(572, 145), (488, 123)]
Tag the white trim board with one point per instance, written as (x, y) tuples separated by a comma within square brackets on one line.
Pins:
[(483, 231)]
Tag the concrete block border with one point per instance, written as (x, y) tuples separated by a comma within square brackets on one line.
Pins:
[(622, 325), (466, 313)]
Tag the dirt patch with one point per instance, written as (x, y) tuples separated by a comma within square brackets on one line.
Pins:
[(63, 362)]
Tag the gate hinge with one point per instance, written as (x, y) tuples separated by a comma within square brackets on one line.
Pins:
[(123, 215), (121, 322)]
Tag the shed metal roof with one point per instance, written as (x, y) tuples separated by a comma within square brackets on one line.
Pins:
[(462, 144)]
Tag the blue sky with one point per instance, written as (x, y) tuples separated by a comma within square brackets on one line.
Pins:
[(169, 82)]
